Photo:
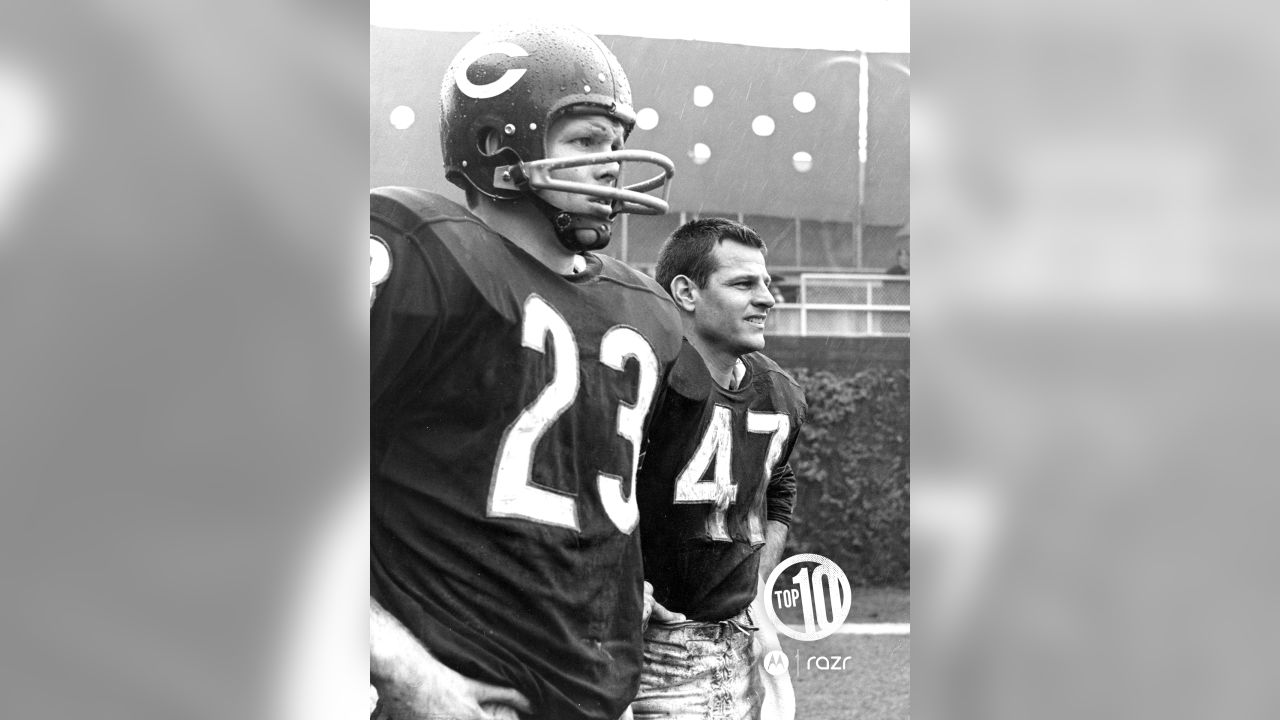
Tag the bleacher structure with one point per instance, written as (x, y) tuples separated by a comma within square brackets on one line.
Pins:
[(737, 121)]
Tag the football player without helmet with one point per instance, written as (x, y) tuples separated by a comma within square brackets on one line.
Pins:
[(500, 101)]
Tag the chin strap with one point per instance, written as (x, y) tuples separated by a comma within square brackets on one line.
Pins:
[(576, 232)]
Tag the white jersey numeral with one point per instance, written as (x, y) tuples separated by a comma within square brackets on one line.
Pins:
[(716, 446), (617, 345), (511, 493), (379, 265), (780, 426)]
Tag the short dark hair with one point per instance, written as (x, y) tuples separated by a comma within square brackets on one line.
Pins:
[(688, 250)]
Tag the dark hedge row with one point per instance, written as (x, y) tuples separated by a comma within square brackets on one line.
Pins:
[(853, 471)]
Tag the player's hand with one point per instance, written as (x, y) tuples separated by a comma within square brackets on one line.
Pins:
[(648, 606), (656, 612), (444, 693)]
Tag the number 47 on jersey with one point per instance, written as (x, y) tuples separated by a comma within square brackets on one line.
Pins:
[(716, 447)]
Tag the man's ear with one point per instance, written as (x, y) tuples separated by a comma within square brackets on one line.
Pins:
[(685, 292)]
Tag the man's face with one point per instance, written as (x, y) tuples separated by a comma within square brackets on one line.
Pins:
[(731, 308), (574, 135)]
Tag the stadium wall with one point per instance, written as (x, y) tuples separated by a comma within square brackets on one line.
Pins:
[(840, 355)]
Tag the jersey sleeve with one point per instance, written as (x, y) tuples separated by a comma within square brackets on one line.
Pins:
[(405, 305), (780, 496)]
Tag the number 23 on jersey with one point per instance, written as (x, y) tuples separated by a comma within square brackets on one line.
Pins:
[(511, 492)]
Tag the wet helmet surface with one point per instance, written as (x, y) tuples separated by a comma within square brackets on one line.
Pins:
[(512, 84)]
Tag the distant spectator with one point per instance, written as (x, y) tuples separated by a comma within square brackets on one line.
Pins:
[(904, 264), (778, 297)]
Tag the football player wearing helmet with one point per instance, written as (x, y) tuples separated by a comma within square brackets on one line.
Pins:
[(500, 100), (513, 374), (716, 489)]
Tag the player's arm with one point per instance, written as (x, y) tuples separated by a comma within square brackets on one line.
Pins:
[(775, 540), (412, 684), (779, 701), (780, 498)]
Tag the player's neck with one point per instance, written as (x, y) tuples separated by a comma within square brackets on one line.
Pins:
[(719, 364), (526, 227)]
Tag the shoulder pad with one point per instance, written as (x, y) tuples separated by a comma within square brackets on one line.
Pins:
[(406, 208), (781, 383), (762, 362), (625, 275), (689, 376)]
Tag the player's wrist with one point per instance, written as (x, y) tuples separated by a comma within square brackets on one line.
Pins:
[(408, 678), (396, 659)]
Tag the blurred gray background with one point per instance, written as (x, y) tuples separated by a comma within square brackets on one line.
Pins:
[(1093, 344)]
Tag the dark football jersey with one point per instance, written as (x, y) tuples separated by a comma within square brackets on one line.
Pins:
[(715, 472), (507, 410)]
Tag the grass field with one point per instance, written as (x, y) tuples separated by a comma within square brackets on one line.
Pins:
[(875, 683)]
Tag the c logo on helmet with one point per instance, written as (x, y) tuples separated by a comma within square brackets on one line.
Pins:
[(497, 87)]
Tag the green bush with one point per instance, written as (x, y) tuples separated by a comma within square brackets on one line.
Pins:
[(852, 465)]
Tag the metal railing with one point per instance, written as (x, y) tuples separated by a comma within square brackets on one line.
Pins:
[(846, 304)]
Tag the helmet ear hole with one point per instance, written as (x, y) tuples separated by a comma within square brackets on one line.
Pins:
[(487, 141)]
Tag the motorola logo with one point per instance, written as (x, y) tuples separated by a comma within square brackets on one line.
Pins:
[(775, 663)]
